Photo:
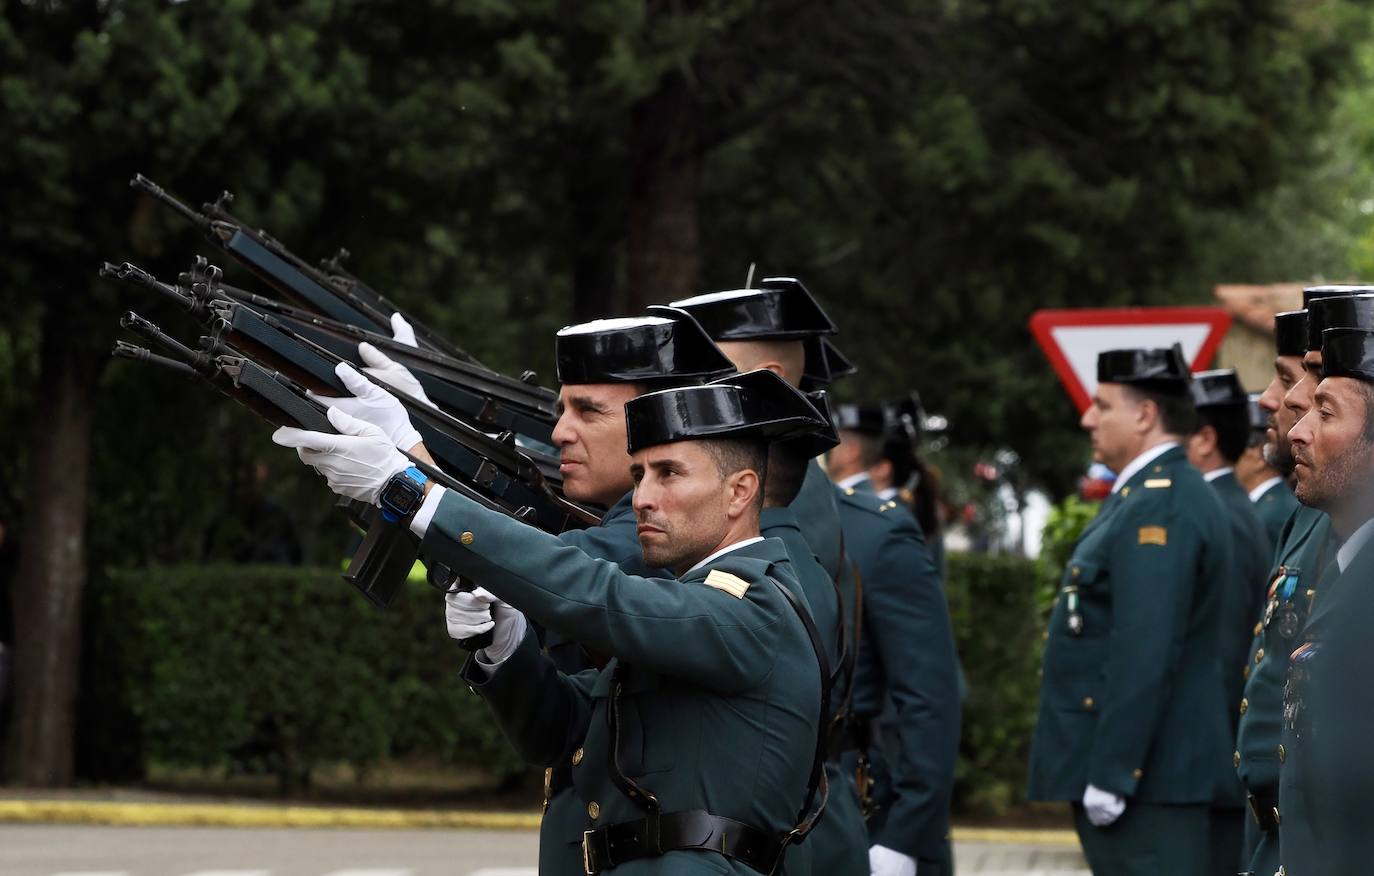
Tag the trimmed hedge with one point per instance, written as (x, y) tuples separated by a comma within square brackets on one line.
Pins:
[(995, 606), (272, 669)]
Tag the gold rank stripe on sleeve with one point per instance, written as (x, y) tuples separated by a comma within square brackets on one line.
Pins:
[(1158, 483), (1154, 535), (731, 584)]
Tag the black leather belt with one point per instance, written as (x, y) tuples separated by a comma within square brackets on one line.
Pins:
[(691, 829), (1264, 807)]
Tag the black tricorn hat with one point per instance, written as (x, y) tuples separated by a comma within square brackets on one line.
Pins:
[(755, 406), (1290, 333), (1160, 370), (779, 309), (1259, 417), (1348, 352), (866, 418), (1355, 310), (824, 364), (905, 418), (665, 344), (1217, 389), (1316, 293)]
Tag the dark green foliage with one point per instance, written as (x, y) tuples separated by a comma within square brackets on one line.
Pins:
[(275, 670), (998, 626)]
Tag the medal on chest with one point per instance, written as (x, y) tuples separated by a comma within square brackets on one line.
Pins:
[(1280, 604)]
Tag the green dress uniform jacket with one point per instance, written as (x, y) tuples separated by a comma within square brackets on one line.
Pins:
[(1292, 584), (1275, 506), (1132, 699), (839, 842), (1328, 775), (907, 672), (713, 681), (1251, 552), (616, 539)]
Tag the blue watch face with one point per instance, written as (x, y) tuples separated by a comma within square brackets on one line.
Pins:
[(401, 496)]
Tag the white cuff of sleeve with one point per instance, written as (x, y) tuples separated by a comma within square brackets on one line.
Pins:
[(419, 524)]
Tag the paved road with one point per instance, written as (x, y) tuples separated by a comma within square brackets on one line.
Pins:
[(192, 851)]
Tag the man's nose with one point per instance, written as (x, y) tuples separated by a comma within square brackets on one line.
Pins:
[(562, 432)]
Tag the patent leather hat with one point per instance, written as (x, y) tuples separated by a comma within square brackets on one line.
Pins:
[(1290, 333), (1349, 352), (1161, 370), (665, 345), (1218, 389), (1343, 311), (754, 406)]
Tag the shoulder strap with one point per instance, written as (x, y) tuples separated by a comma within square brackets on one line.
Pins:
[(806, 818), (851, 661)]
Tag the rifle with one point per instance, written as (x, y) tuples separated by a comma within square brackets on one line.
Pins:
[(518, 477), (389, 550), (488, 400), (338, 295)]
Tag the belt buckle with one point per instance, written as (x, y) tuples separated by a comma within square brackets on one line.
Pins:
[(587, 853)]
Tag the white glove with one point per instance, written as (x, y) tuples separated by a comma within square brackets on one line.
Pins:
[(401, 330), (357, 462), (471, 613), (392, 373), (372, 404), (883, 861), (1103, 807)]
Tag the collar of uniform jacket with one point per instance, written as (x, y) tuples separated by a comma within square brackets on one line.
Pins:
[(1346, 555), (1258, 492), (1215, 473), (725, 550), (1134, 466)]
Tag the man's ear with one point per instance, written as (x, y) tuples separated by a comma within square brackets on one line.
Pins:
[(774, 366), (744, 491), (1146, 415), (1207, 438)]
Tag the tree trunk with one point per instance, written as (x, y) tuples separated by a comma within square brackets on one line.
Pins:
[(52, 566), (663, 257)]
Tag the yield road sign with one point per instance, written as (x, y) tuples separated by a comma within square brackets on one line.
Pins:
[(1072, 338)]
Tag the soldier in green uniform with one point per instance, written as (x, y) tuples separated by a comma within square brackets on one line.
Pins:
[(1328, 707), (699, 742), (779, 326), (601, 365), (1132, 726), (1214, 449), (1291, 579), (904, 733), (1268, 490)]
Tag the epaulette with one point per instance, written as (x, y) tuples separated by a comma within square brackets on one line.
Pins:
[(865, 501)]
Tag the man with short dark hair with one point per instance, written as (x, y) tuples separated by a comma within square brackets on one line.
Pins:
[(1328, 707), (1293, 579), (1132, 727), (1213, 449), (601, 365), (698, 742)]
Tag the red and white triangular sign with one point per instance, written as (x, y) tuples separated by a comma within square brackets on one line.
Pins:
[(1073, 338)]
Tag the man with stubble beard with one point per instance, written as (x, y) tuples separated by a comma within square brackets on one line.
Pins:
[(1305, 549), (601, 365), (1292, 576), (1328, 703)]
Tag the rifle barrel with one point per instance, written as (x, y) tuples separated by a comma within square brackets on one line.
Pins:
[(142, 183), (126, 350)]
